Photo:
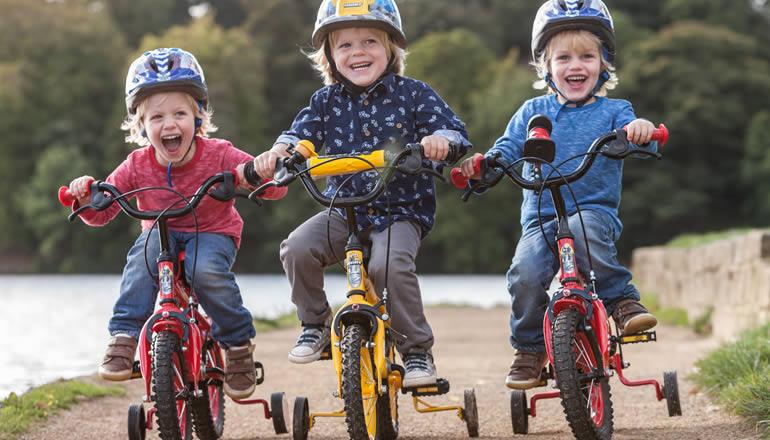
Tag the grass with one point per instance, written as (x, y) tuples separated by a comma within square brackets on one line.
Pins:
[(287, 320), (18, 413), (738, 376), (690, 240)]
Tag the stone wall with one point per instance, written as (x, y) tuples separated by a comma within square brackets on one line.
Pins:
[(731, 275)]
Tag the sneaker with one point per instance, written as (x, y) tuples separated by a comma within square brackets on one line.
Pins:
[(311, 343), (420, 370), (526, 369), (240, 374), (118, 361), (631, 317)]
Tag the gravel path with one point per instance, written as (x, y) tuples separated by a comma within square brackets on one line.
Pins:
[(471, 351)]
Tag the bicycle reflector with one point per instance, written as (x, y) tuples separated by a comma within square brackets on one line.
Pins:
[(539, 143)]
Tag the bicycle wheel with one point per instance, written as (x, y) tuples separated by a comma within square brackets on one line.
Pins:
[(168, 386), (359, 384), (586, 400), (387, 415), (208, 409)]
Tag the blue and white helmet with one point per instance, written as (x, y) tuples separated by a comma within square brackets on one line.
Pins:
[(339, 14), (166, 69), (555, 16)]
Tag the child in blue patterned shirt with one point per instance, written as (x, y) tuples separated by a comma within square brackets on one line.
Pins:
[(366, 102), (573, 46)]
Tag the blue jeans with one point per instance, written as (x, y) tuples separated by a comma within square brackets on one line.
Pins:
[(534, 266), (214, 286)]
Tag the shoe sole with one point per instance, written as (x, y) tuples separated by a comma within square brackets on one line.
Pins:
[(521, 385), (239, 394), (115, 376), (305, 359), (421, 382), (639, 323)]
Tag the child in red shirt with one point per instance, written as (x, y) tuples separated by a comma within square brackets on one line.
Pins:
[(166, 99)]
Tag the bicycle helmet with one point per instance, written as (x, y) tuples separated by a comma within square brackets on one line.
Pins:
[(555, 16), (338, 14), (166, 69)]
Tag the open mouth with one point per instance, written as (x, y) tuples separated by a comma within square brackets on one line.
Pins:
[(171, 142), (357, 67), (576, 80)]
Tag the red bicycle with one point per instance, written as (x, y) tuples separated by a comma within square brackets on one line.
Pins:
[(181, 363), (582, 349)]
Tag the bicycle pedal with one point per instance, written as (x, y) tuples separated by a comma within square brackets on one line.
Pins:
[(326, 354), (136, 371), (637, 338), (440, 387), (260, 370)]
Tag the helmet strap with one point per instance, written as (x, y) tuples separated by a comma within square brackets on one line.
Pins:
[(604, 76), (171, 163)]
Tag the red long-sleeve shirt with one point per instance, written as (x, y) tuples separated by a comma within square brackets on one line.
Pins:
[(141, 169)]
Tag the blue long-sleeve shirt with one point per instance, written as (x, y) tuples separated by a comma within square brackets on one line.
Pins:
[(574, 129), (396, 110)]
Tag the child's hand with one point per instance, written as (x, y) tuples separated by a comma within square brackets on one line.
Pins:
[(639, 131), (80, 188), (435, 147), (466, 167), (242, 182), (264, 164)]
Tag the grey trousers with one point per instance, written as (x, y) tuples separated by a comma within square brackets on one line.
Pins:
[(306, 252)]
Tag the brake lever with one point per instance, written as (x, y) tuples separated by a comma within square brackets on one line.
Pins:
[(225, 190), (77, 212)]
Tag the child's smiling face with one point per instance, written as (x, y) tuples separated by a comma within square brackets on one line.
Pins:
[(169, 120), (360, 54), (575, 66)]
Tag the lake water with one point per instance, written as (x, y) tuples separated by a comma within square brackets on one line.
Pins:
[(55, 326)]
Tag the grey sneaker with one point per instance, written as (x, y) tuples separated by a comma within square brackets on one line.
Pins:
[(311, 343), (420, 370)]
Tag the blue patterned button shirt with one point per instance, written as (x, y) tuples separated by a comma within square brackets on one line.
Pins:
[(397, 110)]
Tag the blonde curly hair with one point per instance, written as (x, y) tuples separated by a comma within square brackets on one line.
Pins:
[(576, 39), (321, 64), (134, 124)]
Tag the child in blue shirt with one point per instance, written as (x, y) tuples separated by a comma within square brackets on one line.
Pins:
[(366, 103), (573, 47)]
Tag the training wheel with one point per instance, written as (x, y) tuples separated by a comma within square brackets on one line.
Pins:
[(279, 411), (301, 422), (471, 413), (137, 422), (671, 391), (519, 412)]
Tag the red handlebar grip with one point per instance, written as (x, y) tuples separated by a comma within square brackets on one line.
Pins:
[(660, 134), (457, 178), (65, 196)]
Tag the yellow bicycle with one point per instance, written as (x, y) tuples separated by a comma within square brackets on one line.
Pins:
[(362, 346)]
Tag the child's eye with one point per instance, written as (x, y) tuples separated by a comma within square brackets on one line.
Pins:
[(371, 41), (181, 113), (155, 117), (343, 45)]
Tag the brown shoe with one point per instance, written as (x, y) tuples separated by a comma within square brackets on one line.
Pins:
[(526, 369), (240, 374), (118, 361), (632, 317)]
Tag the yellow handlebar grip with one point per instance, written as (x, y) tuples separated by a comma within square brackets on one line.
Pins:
[(322, 166), (305, 148)]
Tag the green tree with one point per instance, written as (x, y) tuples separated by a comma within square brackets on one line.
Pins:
[(451, 63), (705, 83), (137, 18), (755, 170)]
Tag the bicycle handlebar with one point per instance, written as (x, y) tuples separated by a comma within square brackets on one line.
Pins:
[(492, 167), (101, 201), (306, 164)]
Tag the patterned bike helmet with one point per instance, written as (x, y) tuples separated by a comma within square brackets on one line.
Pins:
[(166, 69), (338, 14), (555, 16)]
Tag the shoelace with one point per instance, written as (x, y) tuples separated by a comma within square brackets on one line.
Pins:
[(417, 361), (310, 335)]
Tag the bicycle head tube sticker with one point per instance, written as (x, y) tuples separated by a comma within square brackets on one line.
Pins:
[(567, 258), (166, 280), (354, 271)]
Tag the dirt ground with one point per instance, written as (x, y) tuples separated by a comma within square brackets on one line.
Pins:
[(471, 351)]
